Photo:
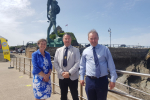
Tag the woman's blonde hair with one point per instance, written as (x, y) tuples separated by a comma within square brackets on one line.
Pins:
[(41, 40)]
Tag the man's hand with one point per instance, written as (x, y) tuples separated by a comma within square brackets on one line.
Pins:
[(62, 73), (65, 74), (82, 82), (111, 85)]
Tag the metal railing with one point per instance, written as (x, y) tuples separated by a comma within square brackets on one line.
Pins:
[(117, 46), (130, 87), (23, 65), (119, 92)]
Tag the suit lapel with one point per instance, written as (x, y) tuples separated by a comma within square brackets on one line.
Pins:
[(69, 52), (62, 55)]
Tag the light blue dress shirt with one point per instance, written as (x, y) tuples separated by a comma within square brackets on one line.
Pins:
[(87, 64)]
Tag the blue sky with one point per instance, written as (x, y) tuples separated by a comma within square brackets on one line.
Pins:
[(129, 20)]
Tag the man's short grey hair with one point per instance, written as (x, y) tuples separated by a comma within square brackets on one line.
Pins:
[(93, 31), (67, 34)]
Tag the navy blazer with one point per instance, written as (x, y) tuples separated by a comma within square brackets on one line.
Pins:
[(37, 61)]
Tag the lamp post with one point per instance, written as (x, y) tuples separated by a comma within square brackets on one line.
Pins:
[(109, 30)]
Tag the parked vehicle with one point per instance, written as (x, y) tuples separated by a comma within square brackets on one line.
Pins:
[(23, 51), (14, 51), (123, 46)]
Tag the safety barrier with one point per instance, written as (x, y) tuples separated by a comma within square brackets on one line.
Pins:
[(25, 65)]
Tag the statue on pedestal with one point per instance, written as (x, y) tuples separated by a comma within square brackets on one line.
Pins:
[(52, 10)]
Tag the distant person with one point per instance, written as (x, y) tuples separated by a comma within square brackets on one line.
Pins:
[(21, 52), (66, 63), (42, 68), (16, 49), (94, 63)]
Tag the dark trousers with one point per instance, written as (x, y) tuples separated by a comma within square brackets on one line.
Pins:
[(96, 89), (73, 85)]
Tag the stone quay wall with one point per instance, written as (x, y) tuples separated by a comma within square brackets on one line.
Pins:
[(125, 55)]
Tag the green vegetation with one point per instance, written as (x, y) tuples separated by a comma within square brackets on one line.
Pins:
[(53, 36), (13, 47), (60, 32)]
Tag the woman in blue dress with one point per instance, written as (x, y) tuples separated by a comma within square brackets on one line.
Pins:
[(42, 68)]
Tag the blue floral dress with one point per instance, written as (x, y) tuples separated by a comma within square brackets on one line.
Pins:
[(41, 89)]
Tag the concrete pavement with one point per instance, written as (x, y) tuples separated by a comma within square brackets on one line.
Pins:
[(15, 85)]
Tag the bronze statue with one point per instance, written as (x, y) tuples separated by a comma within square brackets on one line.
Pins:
[(52, 10)]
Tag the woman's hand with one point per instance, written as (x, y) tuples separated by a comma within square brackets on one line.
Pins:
[(50, 72), (46, 77)]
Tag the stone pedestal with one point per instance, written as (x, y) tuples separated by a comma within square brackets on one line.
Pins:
[(58, 42), (50, 43), (55, 43)]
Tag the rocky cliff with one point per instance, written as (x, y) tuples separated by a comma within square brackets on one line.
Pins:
[(141, 83)]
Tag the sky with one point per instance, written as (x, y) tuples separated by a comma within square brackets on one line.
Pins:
[(22, 21)]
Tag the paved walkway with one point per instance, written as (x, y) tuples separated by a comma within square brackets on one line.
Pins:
[(15, 85)]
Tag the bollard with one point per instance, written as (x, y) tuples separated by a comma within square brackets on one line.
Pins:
[(53, 80), (30, 68), (13, 62), (19, 64), (16, 63), (24, 65)]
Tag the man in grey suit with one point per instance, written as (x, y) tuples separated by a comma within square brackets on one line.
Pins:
[(66, 63)]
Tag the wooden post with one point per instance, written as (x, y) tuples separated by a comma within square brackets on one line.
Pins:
[(81, 92), (16, 63), (13, 62), (19, 64), (24, 65), (53, 80), (30, 68)]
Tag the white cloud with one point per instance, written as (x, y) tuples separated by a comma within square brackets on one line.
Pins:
[(41, 21), (18, 38), (12, 13), (15, 8)]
